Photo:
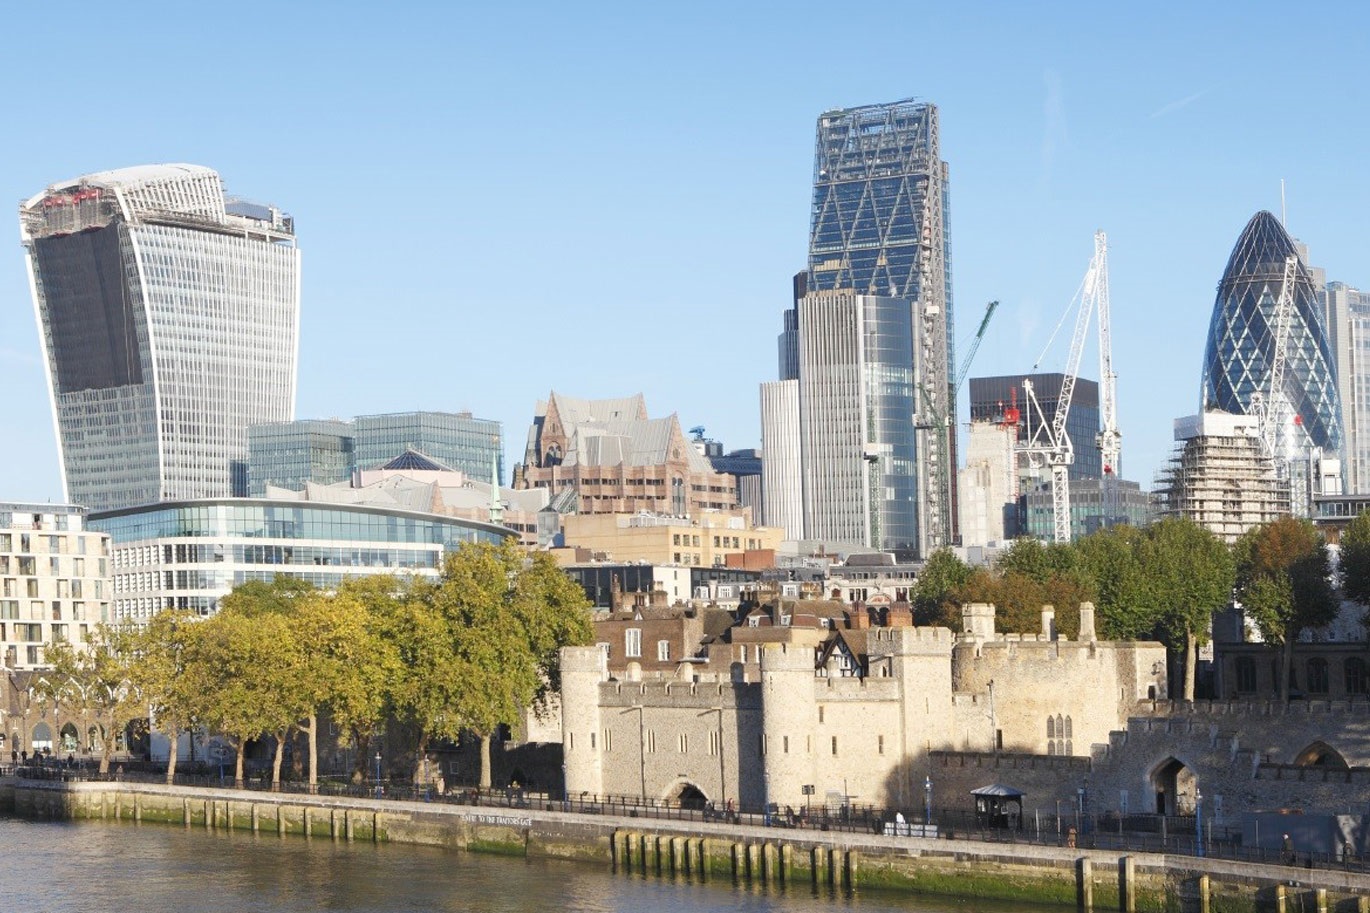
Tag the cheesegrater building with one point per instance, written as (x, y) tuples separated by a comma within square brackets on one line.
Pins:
[(169, 319)]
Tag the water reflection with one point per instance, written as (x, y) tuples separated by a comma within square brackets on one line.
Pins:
[(76, 868)]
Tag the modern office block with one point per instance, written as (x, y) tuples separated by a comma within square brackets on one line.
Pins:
[(471, 445), (782, 480), (1347, 321), (990, 397), (54, 581), (291, 454), (169, 317), (1242, 340)]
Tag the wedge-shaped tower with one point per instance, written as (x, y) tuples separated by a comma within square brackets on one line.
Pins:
[(1242, 337)]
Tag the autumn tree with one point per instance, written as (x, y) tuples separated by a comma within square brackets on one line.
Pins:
[(359, 700), (160, 675), (1190, 573), (1283, 582), (97, 683)]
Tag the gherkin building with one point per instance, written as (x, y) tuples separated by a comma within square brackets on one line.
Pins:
[(1241, 338)]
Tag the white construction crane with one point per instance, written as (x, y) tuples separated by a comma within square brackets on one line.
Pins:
[(1271, 406), (1046, 443), (1110, 439)]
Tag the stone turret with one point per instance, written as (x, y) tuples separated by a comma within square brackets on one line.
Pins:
[(977, 620), (1087, 634), (789, 712), (1049, 622), (582, 670)]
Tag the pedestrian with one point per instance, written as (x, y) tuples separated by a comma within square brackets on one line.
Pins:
[(24, 756)]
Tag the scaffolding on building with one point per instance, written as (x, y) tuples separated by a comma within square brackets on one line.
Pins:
[(1226, 484)]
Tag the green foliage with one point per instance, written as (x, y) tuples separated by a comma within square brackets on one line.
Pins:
[(1190, 573), (1355, 560), (944, 576), (97, 682), (1113, 559)]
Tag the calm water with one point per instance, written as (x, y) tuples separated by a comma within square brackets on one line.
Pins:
[(97, 867)]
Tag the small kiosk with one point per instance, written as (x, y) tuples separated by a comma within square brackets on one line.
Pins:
[(998, 806)]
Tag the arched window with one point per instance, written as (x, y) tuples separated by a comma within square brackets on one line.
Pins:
[(1068, 733), (1051, 728), (678, 496), (1354, 669), (1246, 674), (1317, 675)]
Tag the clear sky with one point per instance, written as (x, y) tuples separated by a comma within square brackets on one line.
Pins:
[(500, 200)]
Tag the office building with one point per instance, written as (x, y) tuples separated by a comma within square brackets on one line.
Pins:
[(1242, 338), (1092, 508), (991, 397), (169, 319), (989, 484), (878, 244), (1346, 313), (190, 554), (54, 574), (467, 444), (782, 481), (292, 454)]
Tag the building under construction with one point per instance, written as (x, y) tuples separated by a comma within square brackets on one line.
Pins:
[(1222, 476)]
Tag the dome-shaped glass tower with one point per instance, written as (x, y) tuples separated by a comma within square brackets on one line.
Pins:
[(1241, 337)]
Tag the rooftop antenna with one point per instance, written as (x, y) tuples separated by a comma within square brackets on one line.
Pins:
[(1284, 220)]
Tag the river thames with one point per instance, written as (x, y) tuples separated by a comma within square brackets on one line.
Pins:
[(94, 867)]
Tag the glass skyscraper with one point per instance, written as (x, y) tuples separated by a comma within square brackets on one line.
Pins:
[(877, 420), (468, 444), (169, 319), (1241, 339)]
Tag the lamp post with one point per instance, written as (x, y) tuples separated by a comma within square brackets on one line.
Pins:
[(1198, 821), (1079, 810), (378, 774), (927, 800)]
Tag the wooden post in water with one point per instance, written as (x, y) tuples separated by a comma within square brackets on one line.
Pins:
[(1084, 884), (1127, 885), (1205, 895)]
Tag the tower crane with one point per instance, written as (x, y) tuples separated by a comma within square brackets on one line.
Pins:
[(1046, 443), (1271, 405), (1110, 439), (939, 509)]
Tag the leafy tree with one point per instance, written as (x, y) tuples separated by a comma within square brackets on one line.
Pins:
[(934, 594), (242, 674), (360, 700), (97, 683), (1112, 559), (259, 597), (1355, 560), (161, 676), (1283, 582), (1190, 573)]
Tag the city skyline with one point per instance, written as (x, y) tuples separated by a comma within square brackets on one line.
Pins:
[(418, 236)]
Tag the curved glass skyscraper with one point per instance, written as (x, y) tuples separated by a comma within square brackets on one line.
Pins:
[(1241, 338), (169, 319)]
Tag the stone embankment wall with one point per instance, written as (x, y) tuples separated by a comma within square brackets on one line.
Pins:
[(773, 856)]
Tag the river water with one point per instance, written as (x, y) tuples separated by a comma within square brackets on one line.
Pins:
[(92, 867)]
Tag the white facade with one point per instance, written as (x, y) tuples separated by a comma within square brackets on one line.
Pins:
[(1347, 320), (782, 486), (989, 484), (169, 319), (54, 583)]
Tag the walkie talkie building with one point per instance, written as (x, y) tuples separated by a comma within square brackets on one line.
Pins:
[(169, 319)]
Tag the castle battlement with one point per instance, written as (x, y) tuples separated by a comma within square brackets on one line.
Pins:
[(1251, 708)]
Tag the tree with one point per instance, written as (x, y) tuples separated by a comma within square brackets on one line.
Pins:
[(1283, 582), (935, 592), (1355, 560), (161, 676), (360, 701), (97, 683), (1113, 560), (241, 672), (1190, 573)]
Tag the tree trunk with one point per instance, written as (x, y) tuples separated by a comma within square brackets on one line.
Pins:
[(484, 762), (106, 752), (174, 735), (313, 731), (1191, 661), (1286, 663), (362, 740), (421, 761), (281, 736), (238, 764)]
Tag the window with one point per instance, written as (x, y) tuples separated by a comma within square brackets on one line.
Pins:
[(651, 741), (1356, 683), (879, 744), (820, 713), (785, 744), (663, 651), (632, 642), (684, 743), (604, 645), (1246, 674), (834, 745), (1317, 675)]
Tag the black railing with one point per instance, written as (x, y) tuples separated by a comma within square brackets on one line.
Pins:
[(1045, 827)]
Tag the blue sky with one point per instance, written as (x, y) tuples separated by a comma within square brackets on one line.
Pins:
[(498, 201)]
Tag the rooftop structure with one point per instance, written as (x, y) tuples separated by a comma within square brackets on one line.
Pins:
[(169, 319)]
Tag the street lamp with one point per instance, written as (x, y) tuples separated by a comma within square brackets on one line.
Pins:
[(378, 773), (927, 800), (1079, 810), (1198, 821)]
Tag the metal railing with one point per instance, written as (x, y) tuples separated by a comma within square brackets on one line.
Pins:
[(1175, 834)]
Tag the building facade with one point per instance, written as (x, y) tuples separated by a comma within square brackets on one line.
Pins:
[(880, 249), (190, 554), (169, 318), (54, 581), (704, 540), (1346, 313), (989, 484), (1242, 341), (292, 454), (992, 397), (1092, 507), (782, 478), (607, 457), (1221, 476)]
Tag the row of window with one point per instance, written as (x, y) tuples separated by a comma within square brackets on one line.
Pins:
[(632, 646), (1355, 675)]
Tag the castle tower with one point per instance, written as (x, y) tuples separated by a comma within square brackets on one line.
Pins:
[(582, 670), (789, 712)]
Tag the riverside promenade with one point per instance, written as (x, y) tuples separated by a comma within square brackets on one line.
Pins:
[(1085, 879)]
